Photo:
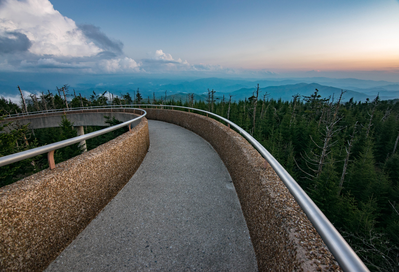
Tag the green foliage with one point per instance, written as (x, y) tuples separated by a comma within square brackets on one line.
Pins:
[(8, 107), (94, 142), (127, 99), (138, 97), (358, 192), (98, 100), (324, 190), (14, 139), (392, 168), (79, 101), (366, 206), (66, 131)]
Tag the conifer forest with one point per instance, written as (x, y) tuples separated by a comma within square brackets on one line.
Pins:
[(343, 154)]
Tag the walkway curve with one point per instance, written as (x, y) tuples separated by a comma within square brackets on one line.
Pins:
[(179, 212)]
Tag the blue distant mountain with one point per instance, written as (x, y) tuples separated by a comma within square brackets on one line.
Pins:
[(285, 92), (180, 87)]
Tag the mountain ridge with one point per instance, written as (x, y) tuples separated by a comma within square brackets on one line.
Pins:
[(239, 88)]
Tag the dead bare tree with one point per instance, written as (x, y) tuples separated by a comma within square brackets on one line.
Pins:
[(293, 114), (346, 162), (323, 110), (81, 100), (64, 90), (315, 103), (23, 100), (374, 244), (386, 115), (375, 103), (192, 100), (44, 101), (396, 144), (211, 100), (315, 162), (263, 110), (134, 96), (223, 102), (255, 103), (329, 133), (52, 99), (245, 103), (228, 109), (35, 103)]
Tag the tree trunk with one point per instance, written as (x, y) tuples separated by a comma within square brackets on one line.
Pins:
[(346, 162), (329, 134), (23, 100), (396, 144), (254, 114), (371, 117), (66, 102), (228, 110), (293, 110)]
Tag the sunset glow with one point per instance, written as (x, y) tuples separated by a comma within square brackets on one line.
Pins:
[(83, 37)]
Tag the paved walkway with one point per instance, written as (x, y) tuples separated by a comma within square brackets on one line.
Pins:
[(179, 212)]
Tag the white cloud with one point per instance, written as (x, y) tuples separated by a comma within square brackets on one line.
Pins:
[(49, 32), (118, 65), (45, 39), (163, 62), (36, 37), (51, 63), (160, 55), (206, 67)]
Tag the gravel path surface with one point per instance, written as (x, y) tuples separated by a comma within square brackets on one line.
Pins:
[(179, 212)]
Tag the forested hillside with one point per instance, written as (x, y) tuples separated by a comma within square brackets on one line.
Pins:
[(20, 138), (343, 154)]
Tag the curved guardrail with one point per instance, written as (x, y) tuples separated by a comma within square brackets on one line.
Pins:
[(50, 148), (347, 258), (34, 113)]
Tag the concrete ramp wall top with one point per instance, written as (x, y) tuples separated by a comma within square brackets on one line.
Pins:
[(78, 118), (283, 237)]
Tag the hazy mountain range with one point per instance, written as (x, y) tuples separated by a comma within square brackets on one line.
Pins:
[(178, 88)]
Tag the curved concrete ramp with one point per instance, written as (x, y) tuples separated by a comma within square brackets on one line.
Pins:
[(179, 212)]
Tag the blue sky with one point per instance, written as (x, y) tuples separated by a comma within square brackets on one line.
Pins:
[(357, 38)]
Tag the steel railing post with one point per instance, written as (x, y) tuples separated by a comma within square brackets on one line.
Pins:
[(50, 158)]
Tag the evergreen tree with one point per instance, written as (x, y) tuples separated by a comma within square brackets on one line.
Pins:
[(324, 191), (127, 99), (138, 97)]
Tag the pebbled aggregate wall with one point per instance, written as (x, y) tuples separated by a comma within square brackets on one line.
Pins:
[(41, 214), (283, 237)]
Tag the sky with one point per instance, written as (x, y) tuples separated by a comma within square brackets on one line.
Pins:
[(286, 38)]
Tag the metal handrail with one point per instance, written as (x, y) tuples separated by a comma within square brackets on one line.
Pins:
[(54, 146), (33, 113), (346, 257)]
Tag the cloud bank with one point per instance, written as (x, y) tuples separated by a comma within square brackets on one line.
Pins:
[(36, 37), (13, 41)]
